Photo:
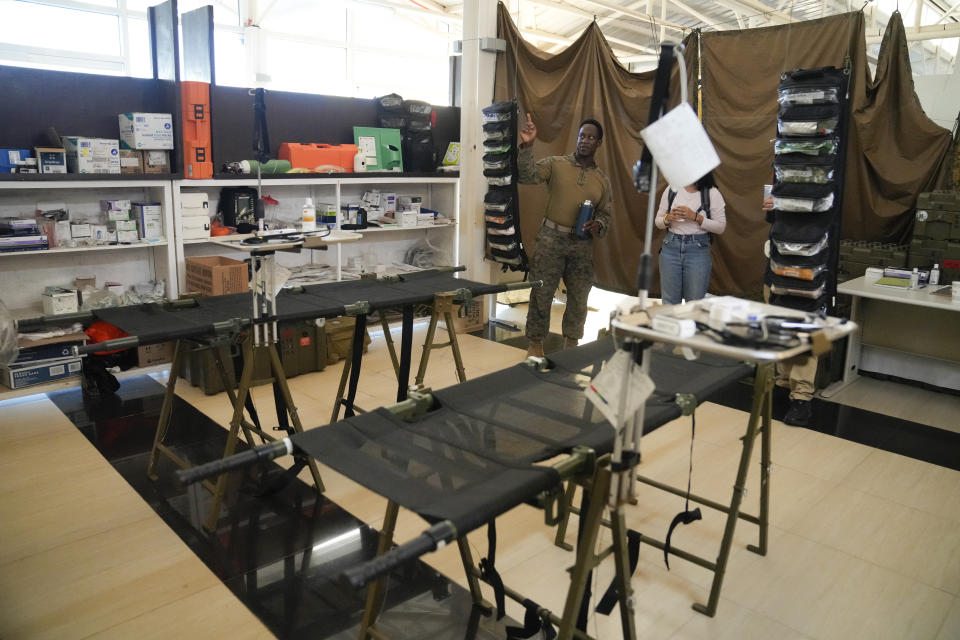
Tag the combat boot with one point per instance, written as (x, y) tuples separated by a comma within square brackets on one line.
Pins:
[(535, 349), (569, 343)]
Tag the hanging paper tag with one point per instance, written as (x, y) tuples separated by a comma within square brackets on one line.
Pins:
[(280, 277), (680, 146), (606, 390)]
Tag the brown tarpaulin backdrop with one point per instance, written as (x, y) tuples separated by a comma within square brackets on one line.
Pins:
[(894, 150)]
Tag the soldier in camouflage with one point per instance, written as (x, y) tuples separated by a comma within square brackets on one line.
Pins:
[(570, 180)]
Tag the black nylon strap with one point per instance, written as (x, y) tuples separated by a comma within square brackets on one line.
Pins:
[(489, 573), (406, 349), (531, 622), (612, 596), (359, 332), (658, 101), (277, 482), (686, 516)]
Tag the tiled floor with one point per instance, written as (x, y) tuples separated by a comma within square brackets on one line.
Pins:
[(865, 542)]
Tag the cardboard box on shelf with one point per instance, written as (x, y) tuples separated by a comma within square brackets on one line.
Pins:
[(195, 227), (153, 354), (154, 162), (56, 348), (146, 130), (407, 218), (128, 237), (131, 161), (149, 216), (116, 209), (216, 276), (79, 230), (58, 232), (11, 158), (51, 159), (92, 155), (57, 300), (31, 373), (190, 203), (471, 321)]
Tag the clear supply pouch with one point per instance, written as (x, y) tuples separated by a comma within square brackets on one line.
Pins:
[(783, 290), (826, 147), (497, 162), (495, 116), (498, 131), (812, 174), (497, 146), (500, 231), (808, 95), (499, 181), (802, 248), (802, 205), (806, 127), (799, 272), (503, 246), (498, 200)]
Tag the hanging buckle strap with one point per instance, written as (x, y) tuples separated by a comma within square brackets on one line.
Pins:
[(612, 596), (534, 620), (489, 573)]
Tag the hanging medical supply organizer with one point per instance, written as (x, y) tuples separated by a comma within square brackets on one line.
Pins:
[(501, 203), (808, 164)]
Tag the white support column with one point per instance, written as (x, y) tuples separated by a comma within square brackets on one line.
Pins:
[(479, 21)]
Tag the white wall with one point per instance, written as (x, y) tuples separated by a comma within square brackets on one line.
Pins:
[(940, 97)]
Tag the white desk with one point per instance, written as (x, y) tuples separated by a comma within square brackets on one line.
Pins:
[(910, 334)]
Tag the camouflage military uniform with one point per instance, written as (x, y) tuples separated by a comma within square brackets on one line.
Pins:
[(560, 253)]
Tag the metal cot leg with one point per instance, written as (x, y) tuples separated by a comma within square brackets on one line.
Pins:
[(761, 389)]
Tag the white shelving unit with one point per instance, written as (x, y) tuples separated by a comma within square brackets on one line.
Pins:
[(23, 275), (379, 245)]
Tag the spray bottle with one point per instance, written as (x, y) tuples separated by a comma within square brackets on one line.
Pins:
[(308, 222)]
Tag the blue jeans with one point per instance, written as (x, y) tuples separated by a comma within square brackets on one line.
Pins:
[(684, 267)]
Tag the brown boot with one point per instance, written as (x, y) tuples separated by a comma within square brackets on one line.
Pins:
[(535, 349), (569, 343)]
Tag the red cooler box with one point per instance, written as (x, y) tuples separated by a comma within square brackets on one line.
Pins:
[(317, 156)]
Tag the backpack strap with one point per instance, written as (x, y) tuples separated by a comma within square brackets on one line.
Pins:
[(705, 201), (671, 196)]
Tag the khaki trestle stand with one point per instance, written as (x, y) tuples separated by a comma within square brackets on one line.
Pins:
[(441, 308), (757, 424), (581, 468)]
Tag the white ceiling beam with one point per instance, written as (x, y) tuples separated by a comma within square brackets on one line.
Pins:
[(633, 14), (918, 14), (755, 6), (929, 32), (705, 20), (950, 12)]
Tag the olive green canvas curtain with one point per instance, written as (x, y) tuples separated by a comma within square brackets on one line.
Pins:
[(894, 150)]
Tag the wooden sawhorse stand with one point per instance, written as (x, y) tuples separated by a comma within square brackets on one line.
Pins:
[(442, 307), (237, 422), (581, 468)]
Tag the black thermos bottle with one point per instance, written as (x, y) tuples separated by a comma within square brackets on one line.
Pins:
[(586, 213)]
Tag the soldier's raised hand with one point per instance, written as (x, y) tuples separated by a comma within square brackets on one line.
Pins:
[(529, 132)]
